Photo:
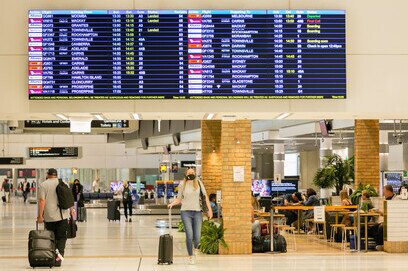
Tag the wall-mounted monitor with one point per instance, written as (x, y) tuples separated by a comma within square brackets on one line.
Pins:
[(186, 54), (261, 188), (394, 179), (285, 187)]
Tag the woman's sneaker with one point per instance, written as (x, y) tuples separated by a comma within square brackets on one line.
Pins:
[(130, 220), (191, 260)]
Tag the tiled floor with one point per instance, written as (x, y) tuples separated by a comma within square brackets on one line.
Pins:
[(103, 245)]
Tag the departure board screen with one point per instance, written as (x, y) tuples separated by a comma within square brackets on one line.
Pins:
[(186, 54), (41, 152)]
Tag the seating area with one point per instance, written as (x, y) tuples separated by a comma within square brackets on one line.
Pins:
[(328, 231)]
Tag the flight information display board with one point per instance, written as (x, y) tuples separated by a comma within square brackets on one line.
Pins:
[(186, 54), (41, 152)]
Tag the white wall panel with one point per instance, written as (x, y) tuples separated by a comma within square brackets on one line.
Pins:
[(397, 220)]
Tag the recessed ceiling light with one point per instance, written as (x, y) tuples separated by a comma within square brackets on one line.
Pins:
[(210, 116), (99, 116), (283, 116), (136, 116), (62, 116)]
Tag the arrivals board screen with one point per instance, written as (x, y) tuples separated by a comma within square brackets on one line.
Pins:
[(41, 152), (186, 54)]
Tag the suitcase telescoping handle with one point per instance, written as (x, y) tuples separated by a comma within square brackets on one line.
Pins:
[(170, 221)]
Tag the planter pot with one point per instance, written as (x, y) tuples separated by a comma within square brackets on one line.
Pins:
[(325, 193)]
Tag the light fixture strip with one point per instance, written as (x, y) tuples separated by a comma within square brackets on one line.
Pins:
[(136, 116), (99, 116), (283, 116), (62, 116), (210, 116)]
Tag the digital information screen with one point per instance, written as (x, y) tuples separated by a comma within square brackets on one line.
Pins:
[(186, 54), (41, 152), (66, 124)]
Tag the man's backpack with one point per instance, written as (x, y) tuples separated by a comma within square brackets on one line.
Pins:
[(65, 197)]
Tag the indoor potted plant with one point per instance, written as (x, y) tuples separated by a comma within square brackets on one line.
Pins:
[(212, 236), (357, 193), (335, 173), (324, 179)]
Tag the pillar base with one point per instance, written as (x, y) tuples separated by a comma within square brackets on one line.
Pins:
[(237, 248), (396, 246)]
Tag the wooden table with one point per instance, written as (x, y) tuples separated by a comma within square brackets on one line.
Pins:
[(366, 216), (300, 208)]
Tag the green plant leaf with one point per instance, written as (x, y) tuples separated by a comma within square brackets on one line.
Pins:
[(212, 236)]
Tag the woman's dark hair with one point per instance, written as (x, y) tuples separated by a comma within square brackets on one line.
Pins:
[(212, 196), (310, 192), (76, 180)]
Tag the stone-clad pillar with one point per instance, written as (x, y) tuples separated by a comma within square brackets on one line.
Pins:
[(367, 152), (236, 196), (211, 155)]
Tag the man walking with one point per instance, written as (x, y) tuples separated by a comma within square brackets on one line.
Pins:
[(26, 190), (54, 218), (6, 187)]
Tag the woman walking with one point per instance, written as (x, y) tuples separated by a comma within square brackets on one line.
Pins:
[(191, 190)]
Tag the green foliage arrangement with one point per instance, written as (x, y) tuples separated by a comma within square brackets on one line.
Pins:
[(180, 226), (357, 193), (212, 235), (335, 172)]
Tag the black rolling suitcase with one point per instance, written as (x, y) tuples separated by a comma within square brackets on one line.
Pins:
[(81, 215), (113, 210), (72, 228), (166, 246), (41, 248)]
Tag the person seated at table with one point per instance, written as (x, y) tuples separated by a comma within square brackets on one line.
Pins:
[(311, 200), (377, 230), (345, 200), (214, 205), (347, 219), (256, 225), (291, 199), (366, 203), (255, 204)]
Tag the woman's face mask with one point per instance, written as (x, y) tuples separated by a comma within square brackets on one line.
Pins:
[(190, 177)]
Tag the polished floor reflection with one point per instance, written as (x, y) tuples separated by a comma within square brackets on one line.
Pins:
[(103, 245)]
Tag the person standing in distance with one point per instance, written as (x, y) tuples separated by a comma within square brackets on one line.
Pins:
[(95, 186), (189, 198), (127, 200), (6, 187), (26, 190), (48, 212)]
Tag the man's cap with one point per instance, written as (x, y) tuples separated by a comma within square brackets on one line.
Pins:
[(52, 171)]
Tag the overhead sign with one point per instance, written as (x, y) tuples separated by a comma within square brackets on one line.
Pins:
[(11, 160), (109, 124), (187, 163), (42, 152)]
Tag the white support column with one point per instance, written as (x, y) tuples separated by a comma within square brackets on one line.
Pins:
[(384, 150), (326, 149), (278, 162)]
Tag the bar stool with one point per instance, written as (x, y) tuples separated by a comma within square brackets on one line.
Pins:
[(333, 230), (289, 230), (317, 230), (350, 230)]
